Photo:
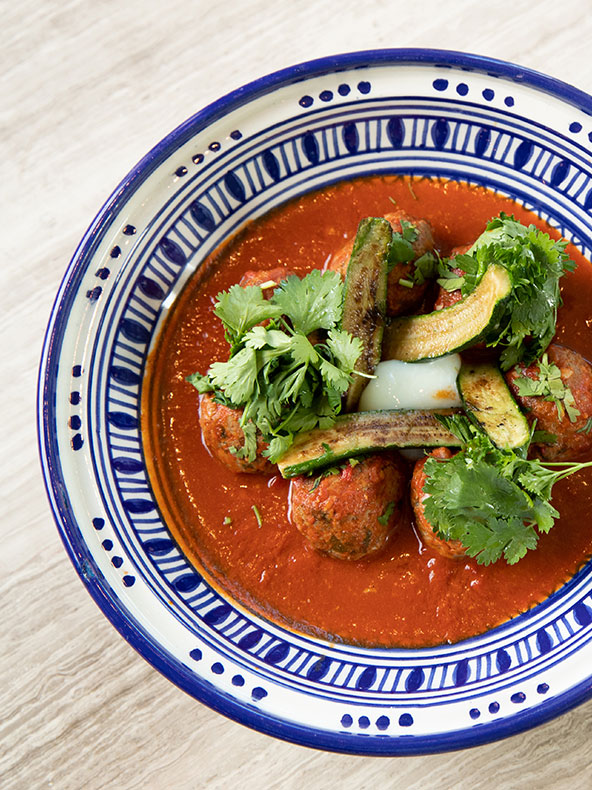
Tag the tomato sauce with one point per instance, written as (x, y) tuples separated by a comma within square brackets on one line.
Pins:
[(407, 595)]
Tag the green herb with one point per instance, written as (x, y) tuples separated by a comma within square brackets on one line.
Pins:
[(543, 437), (494, 502), (331, 470), (283, 382), (551, 387), (401, 249), (255, 510), (535, 264), (227, 521), (427, 267), (327, 472), (587, 427), (389, 510)]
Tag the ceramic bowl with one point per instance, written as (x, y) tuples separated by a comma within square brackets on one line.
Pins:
[(422, 112)]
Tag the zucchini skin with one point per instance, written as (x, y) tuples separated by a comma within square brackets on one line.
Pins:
[(364, 303), (475, 318), (488, 402), (365, 432)]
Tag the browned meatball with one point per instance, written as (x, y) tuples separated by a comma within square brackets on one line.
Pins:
[(263, 276), (221, 432), (400, 300), (576, 373), (447, 298), (447, 548), (351, 514)]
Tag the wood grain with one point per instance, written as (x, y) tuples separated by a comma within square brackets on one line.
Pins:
[(86, 89)]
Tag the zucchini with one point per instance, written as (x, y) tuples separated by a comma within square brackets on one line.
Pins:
[(364, 432), (489, 403), (416, 337), (364, 301)]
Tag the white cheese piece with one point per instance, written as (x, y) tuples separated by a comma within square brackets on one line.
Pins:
[(413, 385)]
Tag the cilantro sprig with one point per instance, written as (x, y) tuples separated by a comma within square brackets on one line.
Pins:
[(401, 249), (551, 387), (535, 264), (495, 502), (283, 382)]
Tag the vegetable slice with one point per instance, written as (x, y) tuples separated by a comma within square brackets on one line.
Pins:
[(364, 304), (364, 432), (417, 337), (488, 402)]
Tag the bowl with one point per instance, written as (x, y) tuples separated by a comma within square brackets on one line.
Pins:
[(420, 112)]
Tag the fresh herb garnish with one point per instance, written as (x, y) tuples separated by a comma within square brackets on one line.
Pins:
[(283, 382), (587, 427), (255, 510), (329, 471), (551, 387), (401, 249), (388, 512), (543, 437), (495, 502), (535, 264)]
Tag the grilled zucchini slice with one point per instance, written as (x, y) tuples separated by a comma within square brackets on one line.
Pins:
[(364, 302), (489, 403), (364, 432), (416, 337)]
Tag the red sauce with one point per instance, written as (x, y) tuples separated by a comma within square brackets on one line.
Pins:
[(407, 595)]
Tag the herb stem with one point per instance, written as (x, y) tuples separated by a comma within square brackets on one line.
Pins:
[(255, 510)]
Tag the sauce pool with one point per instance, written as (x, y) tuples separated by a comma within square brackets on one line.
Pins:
[(406, 595)]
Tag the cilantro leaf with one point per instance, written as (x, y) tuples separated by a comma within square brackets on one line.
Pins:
[(249, 449), (495, 502), (551, 387), (201, 383), (345, 348), (313, 302), (239, 309), (237, 376), (401, 247), (388, 512)]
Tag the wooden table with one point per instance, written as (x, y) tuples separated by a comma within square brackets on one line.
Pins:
[(87, 89)]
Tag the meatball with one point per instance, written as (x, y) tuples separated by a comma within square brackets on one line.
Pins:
[(447, 298), (221, 432), (264, 276), (400, 300), (447, 548), (352, 513), (576, 373)]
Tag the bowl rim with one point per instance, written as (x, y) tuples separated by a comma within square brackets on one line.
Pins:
[(76, 547)]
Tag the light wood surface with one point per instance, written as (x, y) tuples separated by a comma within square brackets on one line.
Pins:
[(86, 88)]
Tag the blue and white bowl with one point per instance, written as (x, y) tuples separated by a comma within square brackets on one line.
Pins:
[(423, 112)]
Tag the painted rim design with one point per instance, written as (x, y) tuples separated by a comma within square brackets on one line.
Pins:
[(427, 112)]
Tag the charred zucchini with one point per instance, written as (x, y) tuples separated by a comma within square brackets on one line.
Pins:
[(489, 404), (416, 337), (364, 303), (364, 432)]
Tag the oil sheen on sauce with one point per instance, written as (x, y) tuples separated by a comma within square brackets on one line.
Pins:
[(406, 595)]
